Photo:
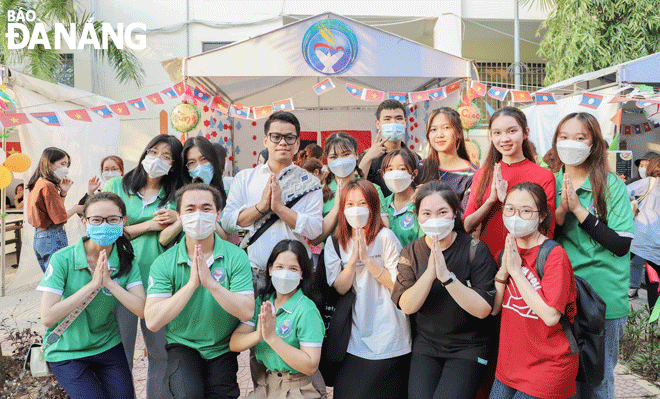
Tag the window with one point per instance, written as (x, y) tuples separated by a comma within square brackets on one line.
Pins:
[(64, 74), (208, 46), (501, 74)]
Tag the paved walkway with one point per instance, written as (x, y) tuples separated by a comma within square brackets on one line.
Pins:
[(20, 308)]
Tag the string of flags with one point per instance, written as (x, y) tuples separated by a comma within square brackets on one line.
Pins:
[(199, 94)]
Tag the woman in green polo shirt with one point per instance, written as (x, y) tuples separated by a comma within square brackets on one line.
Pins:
[(88, 358), (595, 227), (399, 169), (148, 191), (286, 330), (341, 152)]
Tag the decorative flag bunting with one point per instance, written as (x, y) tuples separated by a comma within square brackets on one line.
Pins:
[(490, 109), (201, 95), (355, 91), (10, 120), (324, 86), (643, 104), (3, 105), (617, 117), (374, 95), (437, 94), (169, 92), (545, 99), (120, 109), (479, 88), (627, 130), (243, 112), (218, 105), (418, 96), (49, 118), (656, 124), (102, 111), (5, 96), (497, 93), (453, 87), (591, 100), (647, 127), (615, 100), (400, 97), (262, 112), (78, 115), (138, 104), (283, 105), (638, 129), (179, 88), (155, 98), (520, 96)]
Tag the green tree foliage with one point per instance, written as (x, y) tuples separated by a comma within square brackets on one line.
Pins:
[(586, 35), (42, 62)]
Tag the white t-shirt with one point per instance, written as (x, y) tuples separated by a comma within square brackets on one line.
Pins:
[(380, 330)]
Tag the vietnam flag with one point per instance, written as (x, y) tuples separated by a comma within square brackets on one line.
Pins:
[(120, 109), (9, 120), (155, 98), (180, 88), (374, 95), (521, 96), (479, 88), (78, 115), (418, 96), (218, 105), (262, 112), (453, 87)]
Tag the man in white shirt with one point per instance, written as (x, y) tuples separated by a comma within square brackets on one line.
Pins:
[(257, 194)]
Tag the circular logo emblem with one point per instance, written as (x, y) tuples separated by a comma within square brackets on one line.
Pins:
[(218, 275), (407, 221), (285, 328), (330, 47)]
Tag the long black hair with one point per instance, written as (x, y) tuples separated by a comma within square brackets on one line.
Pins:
[(136, 179), (448, 194), (304, 262), (123, 244), (209, 152)]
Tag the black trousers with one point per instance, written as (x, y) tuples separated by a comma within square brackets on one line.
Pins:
[(193, 377), (436, 378), (360, 378)]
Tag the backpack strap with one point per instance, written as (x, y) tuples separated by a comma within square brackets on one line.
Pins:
[(335, 243), (546, 247)]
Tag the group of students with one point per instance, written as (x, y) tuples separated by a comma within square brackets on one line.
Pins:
[(395, 229)]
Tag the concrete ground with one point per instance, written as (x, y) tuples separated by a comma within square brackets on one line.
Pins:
[(20, 309)]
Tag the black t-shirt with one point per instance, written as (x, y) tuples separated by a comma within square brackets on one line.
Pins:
[(443, 328), (374, 174)]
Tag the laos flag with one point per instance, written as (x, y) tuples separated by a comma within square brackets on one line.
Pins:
[(49, 118)]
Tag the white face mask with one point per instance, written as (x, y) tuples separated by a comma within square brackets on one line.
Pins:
[(572, 152), (155, 167), (285, 281), (357, 216), (109, 174), (519, 227), (342, 167), (61, 173), (199, 225), (397, 180), (642, 172), (437, 227)]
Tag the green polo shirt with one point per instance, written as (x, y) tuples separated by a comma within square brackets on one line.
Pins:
[(298, 322), (606, 273), (146, 247), (202, 324), (95, 330), (327, 205), (403, 222)]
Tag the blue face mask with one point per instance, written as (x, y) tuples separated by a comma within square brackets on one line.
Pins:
[(105, 234), (204, 172), (393, 131)]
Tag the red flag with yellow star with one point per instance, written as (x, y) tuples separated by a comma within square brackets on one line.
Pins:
[(120, 109), (155, 98), (10, 120), (418, 96), (521, 96), (262, 112), (78, 115)]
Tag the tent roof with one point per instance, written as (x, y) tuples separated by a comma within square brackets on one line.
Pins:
[(641, 70), (384, 62)]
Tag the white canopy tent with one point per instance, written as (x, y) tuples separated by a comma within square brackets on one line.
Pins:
[(86, 142), (270, 67)]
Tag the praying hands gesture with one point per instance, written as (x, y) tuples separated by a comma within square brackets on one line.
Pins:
[(101, 277), (275, 194), (441, 271), (569, 202), (499, 186), (267, 323), (511, 261)]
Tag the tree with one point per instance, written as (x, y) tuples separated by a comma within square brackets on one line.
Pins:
[(43, 63), (586, 35)]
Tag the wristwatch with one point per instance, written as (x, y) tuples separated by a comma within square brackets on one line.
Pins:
[(451, 279)]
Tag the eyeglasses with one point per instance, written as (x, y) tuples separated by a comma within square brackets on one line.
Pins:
[(525, 213), (97, 220), (276, 138)]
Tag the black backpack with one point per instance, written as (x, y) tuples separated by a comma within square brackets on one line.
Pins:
[(586, 335)]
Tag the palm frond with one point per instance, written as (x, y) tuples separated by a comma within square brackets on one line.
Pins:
[(544, 5)]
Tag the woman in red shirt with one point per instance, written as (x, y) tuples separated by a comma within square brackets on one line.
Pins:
[(535, 359), (510, 160)]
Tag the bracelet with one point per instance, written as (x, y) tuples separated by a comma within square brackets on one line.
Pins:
[(255, 207), (63, 196), (499, 280), (382, 270)]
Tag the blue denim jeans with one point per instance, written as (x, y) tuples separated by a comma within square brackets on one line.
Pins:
[(501, 391), (47, 242), (613, 331), (102, 376), (637, 271)]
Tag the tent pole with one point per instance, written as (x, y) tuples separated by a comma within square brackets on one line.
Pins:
[(3, 227), (516, 45)]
